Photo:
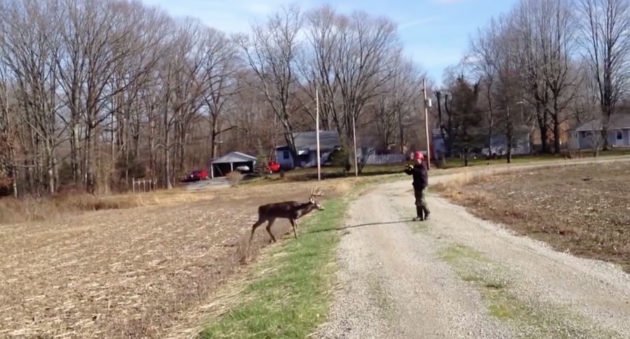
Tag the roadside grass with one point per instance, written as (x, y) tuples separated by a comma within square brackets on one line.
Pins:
[(288, 295), (528, 318)]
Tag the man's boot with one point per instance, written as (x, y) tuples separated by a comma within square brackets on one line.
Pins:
[(419, 217), (426, 213)]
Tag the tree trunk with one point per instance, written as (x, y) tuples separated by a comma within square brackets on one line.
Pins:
[(465, 156), (401, 133), (74, 150), (542, 127), (556, 125), (509, 135), (556, 135), (213, 137), (52, 163)]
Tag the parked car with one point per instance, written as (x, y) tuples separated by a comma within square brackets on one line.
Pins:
[(243, 168), (196, 175), (273, 167)]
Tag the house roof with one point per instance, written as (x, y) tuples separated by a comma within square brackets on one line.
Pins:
[(234, 157), (617, 121), (308, 140)]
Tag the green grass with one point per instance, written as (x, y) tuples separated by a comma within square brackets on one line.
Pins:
[(289, 295), (524, 159), (309, 174), (530, 319)]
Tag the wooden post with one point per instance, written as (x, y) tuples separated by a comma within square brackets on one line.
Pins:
[(133, 185)]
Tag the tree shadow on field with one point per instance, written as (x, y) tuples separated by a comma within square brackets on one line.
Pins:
[(332, 229)]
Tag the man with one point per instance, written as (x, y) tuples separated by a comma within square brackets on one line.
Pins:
[(420, 182)]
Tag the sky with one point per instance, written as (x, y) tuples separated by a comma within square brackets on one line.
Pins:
[(435, 33)]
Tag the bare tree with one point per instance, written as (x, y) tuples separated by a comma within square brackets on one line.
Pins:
[(486, 58), (606, 43), (363, 65), (317, 64), (220, 65), (547, 41), (272, 52), (399, 100), (29, 57)]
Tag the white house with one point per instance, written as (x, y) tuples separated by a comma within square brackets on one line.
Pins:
[(618, 132)]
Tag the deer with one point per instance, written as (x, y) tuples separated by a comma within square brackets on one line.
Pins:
[(292, 210)]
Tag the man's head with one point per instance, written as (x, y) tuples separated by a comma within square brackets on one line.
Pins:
[(418, 157)]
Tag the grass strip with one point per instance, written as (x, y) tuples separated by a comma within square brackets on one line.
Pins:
[(289, 295), (527, 318)]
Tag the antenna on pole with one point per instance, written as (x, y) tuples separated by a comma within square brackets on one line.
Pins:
[(427, 104)]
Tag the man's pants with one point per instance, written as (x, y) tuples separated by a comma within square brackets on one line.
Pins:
[(421, 205)]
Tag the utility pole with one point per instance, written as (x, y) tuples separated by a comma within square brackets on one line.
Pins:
[(319, 165), (354, 136), (427, 104)]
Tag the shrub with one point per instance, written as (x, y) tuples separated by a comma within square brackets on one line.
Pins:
[(234, 178)]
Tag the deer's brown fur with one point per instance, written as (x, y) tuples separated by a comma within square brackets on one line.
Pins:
[(292, 210)]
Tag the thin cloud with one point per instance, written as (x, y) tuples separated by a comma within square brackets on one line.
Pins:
[(448, 2), (419, 22)]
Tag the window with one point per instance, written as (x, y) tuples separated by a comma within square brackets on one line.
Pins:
[(286, 155), (619, 135)]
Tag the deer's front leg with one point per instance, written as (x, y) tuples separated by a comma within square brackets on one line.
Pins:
[(273, 239), (294, 225)]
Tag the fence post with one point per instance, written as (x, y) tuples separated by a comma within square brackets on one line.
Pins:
[(133, 185)]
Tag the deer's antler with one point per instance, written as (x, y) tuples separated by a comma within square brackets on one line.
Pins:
[(316, 192)]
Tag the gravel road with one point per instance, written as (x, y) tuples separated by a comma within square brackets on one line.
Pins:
[(456, 276)]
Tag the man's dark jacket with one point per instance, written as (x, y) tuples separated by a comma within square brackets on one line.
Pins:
[(420, 176)]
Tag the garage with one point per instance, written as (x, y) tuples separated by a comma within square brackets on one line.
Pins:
[(234, 161)]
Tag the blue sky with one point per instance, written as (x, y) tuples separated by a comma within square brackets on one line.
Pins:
[(435, 33)]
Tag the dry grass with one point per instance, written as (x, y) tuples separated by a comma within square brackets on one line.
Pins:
[(38, 209), (135, 272), (583, 209)]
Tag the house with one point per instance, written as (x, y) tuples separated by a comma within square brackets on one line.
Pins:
[(232, 161), (618, 132), (521, 144), (306, 147)]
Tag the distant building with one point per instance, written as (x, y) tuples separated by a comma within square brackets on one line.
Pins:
[(618, 132), (306, 147), (230, 162)]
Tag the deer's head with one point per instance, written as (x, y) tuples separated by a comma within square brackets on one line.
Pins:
[(315, 192)]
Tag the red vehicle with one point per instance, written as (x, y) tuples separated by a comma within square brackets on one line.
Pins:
[(197, 175), (273, 166)]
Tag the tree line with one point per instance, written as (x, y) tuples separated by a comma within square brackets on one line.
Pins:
[(546, 66), (94, 93)]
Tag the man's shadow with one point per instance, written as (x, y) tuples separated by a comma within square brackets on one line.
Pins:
[(361, 225)]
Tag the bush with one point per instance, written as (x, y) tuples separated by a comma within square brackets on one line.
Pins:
[(234, 178)]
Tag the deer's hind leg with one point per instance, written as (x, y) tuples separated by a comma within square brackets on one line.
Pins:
[(254, 226), (271, 221)]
